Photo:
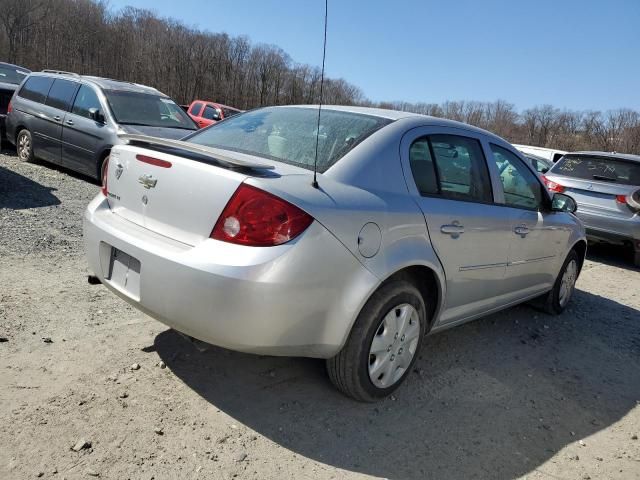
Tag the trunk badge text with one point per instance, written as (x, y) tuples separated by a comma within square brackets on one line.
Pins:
[(119, 170), (147, 181)]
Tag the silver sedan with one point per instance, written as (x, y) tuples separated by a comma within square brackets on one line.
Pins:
[(415, 225)]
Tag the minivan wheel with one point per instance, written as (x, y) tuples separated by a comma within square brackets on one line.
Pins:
[(558, 298), (383, 344), (24, 146)]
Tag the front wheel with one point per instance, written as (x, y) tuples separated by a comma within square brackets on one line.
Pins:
[(383, 344), (558, 298), (24, 146)]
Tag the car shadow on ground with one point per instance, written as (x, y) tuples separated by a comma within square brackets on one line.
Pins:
[(614, 255), (18, 192), (495, 398)]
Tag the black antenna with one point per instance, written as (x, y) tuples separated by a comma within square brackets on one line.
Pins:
[(324, 54)]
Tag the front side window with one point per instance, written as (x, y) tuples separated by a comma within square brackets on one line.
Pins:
[(85, 100), (288, 134), (521, 187), (210, 113), (61, 94), (36, 88), (451, 166), (147, 110)]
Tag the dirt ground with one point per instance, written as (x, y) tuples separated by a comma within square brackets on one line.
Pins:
[(515, 395)]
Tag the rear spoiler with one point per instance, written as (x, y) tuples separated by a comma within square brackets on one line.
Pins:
[(219, 155)]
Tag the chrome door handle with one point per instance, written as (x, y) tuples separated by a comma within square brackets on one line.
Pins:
[(57, 118), (69, 122), (521, 230), (453, 229)]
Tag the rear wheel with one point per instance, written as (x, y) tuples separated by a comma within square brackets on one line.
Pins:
[(558, 298), (102, 167), (383, 343), (24, 146)]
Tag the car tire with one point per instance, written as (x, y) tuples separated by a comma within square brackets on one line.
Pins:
[(101, 168), (383, 344), (24, 146), (555, 302)]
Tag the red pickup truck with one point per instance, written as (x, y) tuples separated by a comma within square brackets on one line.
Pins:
[(206, 113)]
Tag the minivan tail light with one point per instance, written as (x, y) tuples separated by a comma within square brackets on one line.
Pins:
[(621, 199), (552, 186), (257, 218), (9, 108), (105, 174)]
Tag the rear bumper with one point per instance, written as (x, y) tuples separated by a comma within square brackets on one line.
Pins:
[(611, 228), (297, 299)]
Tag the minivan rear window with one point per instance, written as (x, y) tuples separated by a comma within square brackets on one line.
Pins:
[(36, 88), (288, 134), (599, 169)]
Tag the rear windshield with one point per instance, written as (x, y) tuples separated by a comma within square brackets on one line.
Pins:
[(600, 169), (12, 74), (148, 110), (288, 134)]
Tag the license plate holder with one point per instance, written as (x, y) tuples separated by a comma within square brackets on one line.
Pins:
[(124, 273)]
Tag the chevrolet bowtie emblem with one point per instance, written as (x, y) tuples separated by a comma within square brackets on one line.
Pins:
[(147, 181)]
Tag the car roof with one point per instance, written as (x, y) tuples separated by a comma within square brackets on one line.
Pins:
[(220, 105), (416, 118), (612, 155), (100, 82)]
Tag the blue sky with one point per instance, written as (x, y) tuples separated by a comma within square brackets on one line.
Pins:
[(569, 53)]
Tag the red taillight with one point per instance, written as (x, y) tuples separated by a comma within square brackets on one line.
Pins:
[(552, 186), (105, 174), (154, 161), (621, 199), (9, 108), (256, 218)]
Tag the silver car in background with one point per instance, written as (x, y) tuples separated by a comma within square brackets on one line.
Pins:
[(415, 225), (606, 187)]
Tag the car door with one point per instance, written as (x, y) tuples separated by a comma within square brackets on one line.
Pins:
[(447, 174), (42, 119), (55, 109), (83, 136), (538, 235)]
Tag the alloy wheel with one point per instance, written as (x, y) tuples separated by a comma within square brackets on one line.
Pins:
[(24, 146)]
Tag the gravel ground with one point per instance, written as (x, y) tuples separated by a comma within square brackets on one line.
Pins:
[(93, 388)]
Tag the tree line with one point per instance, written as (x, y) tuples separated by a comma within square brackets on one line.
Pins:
[(87, 37)]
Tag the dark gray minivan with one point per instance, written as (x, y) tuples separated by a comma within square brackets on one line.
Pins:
[(74, 120)]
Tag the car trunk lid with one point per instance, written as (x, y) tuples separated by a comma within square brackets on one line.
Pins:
[(176, 193)]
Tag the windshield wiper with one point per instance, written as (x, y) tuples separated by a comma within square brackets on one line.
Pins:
[(606, 179), (138, 124)]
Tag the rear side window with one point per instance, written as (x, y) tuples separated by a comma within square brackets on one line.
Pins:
[(600, 169), (36, 88), (451, 166), (61, 94), (195, 110), (521, 187), (85, 100)]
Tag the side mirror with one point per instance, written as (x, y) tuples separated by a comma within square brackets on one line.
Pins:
[(96, 115), (563, 203), (544, 169)]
